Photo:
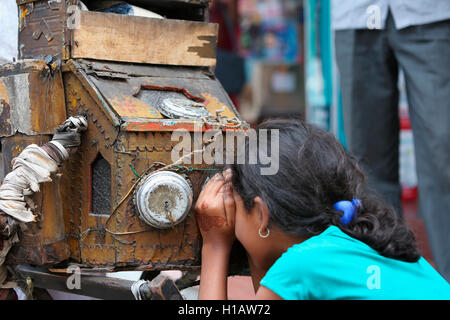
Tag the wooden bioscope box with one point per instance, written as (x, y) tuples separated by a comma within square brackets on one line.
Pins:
[(117, 70)]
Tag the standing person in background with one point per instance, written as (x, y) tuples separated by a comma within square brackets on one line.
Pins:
[(373, 40)]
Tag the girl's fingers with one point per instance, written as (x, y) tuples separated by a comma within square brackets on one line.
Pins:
[(218, 176), (211, 181), (209, 197), (215, 184), (227, 175), (229, 204), (210, 188)]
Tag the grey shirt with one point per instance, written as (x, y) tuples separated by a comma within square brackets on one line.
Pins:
[(372, 14)]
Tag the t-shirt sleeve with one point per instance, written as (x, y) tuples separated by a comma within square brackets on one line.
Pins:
[(286, 277)]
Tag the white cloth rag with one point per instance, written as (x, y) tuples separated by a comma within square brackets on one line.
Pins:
[(31, 167)]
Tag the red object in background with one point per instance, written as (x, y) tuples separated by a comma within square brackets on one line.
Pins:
[(226, 41), (405, 123), (229, 30), (408, 193), (235, 99), (8, 294)]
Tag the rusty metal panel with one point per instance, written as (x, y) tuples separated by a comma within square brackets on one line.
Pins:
[(31, 97), (98, 139), (16, 105), (148, 247), (134, 93), (115, 69), (81, 85), (41, 28)]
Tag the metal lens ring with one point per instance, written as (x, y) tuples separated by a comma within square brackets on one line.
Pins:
[(163, 199)]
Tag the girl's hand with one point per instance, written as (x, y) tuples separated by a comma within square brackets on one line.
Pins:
[(215, 212)]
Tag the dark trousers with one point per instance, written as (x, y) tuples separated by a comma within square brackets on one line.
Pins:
[(368, 63)]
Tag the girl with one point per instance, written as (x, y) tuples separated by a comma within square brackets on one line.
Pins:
[(312, 230)]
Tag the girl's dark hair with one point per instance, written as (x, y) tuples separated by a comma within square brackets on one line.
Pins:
[(315, 171)]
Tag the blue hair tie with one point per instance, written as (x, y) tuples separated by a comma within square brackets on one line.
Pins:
[(349, 209)]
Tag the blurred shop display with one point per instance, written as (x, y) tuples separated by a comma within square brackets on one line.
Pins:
[(278, 91), (319, 63), (271, 40), (270, 29)]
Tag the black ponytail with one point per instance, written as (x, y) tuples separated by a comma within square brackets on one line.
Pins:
[(315, 172)]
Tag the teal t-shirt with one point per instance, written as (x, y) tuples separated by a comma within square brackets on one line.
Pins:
[(333, 265)]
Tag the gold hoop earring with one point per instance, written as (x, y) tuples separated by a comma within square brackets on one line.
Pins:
[(264, 235)]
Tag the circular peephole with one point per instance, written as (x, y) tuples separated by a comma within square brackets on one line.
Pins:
[(163, 199)]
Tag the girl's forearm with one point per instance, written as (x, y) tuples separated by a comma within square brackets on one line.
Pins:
[(213, 277)]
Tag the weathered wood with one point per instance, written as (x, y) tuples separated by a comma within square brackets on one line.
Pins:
[(160, 288), (42, 29), (31, 98), (114, 37), (92, 286)]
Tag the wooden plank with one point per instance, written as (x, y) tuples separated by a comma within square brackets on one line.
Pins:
[(113, 37), (93, 286)]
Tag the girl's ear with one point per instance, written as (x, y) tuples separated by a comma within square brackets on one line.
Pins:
[(263, 212)]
